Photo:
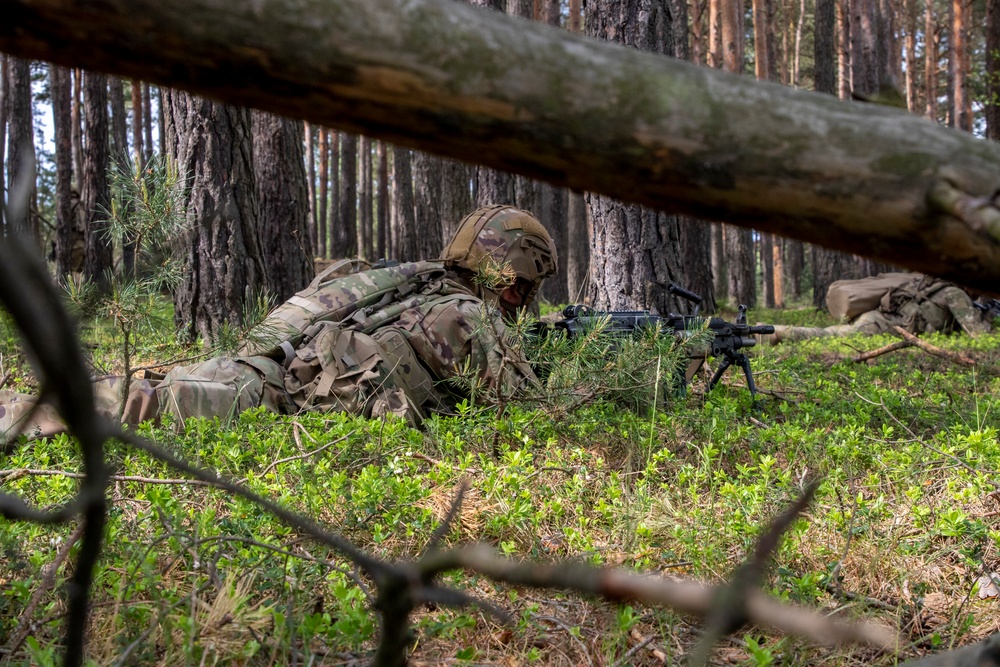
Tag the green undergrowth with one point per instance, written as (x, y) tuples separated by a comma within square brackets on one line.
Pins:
[(904, 522)]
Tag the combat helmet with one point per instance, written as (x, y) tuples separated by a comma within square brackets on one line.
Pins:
[(508, 235)]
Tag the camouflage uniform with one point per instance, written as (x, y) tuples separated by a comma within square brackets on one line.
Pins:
[(921, 304), (370, 342)]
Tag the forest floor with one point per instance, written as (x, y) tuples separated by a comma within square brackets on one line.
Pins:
[(906, 520)]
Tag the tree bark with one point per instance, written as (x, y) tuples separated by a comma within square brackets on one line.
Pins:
[(96, 195), (77, 134), (4, 100), (280, 177), (137, 122), (120, 158), (382, 218), (344, 235), (930, 61), (960, 112), (310, 165), (635, 252), (365, 204), (65, 219), (21, 154), (427, 204), (456, 196), (991, 110), (319, 221), (147, 131), (212, 146), (404, 226), (495, 95)]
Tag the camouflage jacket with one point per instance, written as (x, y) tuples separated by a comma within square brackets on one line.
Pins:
[(418, 353)]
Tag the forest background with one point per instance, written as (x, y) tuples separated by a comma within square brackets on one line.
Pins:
[(634, 253)]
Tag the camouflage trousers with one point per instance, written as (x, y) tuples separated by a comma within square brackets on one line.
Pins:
[(335, 370)]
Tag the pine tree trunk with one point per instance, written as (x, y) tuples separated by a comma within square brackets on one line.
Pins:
[(120, 157), (912, 62), (77, 120), (427, 204), (21, 154), (147, 131), (96, 196), (280, 177), (365, 193), (635, 251), (333, 148), (991, 109), (65, 219), (319, 222), (382, 217), (456, 197), (960, 113), (4, 99), (309, 157), (137, 122), (795, 252), (212, 146), (577, 262), (404, 226), (843, 38), (931, 61), (344, 235)]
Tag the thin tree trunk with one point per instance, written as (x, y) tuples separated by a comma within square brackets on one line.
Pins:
[(147, 112), (960, 112), (365, 203), (4, 99), (62, 82), (21, 219), (912, 62), (333, 146), (991, 109), (310, 164), (931, 61), (799, 23), (575, 17), (318, 222), (382, 216), (120, 157), (137, 122), (698, 31), (344, 241), (96, 197), (160, 121), (844, 62), (77, 120)]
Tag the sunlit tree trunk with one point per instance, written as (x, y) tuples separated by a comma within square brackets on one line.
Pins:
[(912, 62), (991, 109), (960, 110), (931, 61), (844, 66), (21, 153)]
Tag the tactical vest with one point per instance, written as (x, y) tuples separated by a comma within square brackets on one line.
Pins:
[(346, 290)]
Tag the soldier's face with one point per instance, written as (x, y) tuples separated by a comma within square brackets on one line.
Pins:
[(514, 297)]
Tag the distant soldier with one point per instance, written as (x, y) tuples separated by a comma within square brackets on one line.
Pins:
[(913, 301), (375, 342)]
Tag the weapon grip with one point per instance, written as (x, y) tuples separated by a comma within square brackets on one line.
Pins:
[(677, 290)]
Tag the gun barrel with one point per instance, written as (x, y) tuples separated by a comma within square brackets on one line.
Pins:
[(761, 329)]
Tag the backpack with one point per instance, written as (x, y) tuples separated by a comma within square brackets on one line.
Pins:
[(346, 290)]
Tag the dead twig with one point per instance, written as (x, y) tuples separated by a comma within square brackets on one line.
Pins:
[(886, 349), (953, 357)]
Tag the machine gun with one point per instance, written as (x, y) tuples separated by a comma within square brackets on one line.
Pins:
[(728, 340)]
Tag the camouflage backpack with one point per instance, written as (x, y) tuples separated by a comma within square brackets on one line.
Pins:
[(346, 290)]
